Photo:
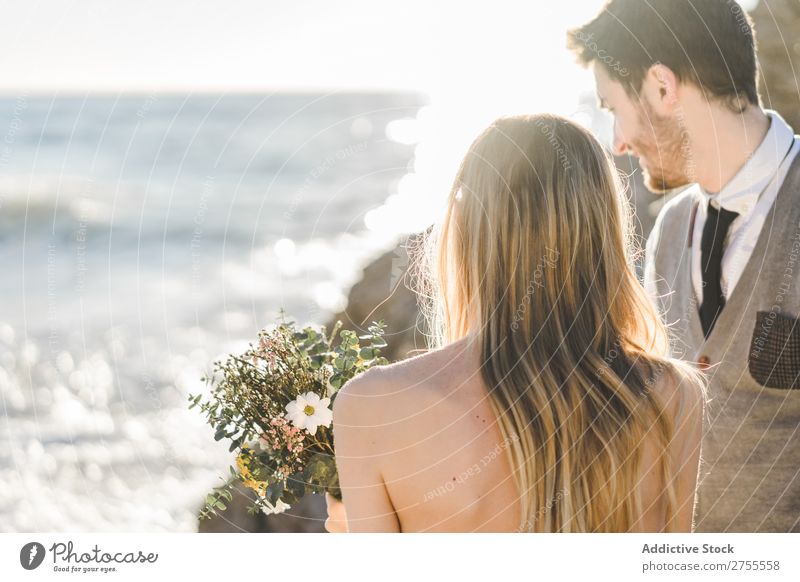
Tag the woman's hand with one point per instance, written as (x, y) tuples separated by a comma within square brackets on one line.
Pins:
[(337, 518)]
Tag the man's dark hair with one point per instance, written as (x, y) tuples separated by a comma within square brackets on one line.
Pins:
[(710, 43)]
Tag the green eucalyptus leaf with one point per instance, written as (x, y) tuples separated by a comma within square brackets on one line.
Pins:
[(321, 469)]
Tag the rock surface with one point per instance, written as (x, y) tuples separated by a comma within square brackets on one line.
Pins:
[(383, 293), (777, 24)]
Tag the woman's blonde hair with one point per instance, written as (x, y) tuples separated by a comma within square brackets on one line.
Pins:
[(532, 260)]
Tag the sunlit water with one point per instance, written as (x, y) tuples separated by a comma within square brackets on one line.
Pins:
[(141, 238)]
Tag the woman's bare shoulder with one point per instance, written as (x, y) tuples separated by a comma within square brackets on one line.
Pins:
[(393, 387), (681, 388), (361, 394)]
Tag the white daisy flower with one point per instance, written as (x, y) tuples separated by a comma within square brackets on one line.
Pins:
[(308, 411)]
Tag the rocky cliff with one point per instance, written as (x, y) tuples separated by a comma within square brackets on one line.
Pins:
[(777, 24)]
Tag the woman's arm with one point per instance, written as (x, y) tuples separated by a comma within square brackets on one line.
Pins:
[(687, 401), (337, 516), (360, 450), (682, 396)]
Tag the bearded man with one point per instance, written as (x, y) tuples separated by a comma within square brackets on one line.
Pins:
[(680, 78)]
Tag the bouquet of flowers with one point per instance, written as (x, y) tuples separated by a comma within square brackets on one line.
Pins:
[(274, 403)]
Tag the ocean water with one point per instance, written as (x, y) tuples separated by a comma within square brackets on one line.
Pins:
[(142, 237)]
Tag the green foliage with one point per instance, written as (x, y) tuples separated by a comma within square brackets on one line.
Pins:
[(216, 501), (248, 395)]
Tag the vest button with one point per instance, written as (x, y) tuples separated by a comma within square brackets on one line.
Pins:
[(703, 362)]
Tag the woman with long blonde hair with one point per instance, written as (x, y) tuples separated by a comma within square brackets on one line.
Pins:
[(548, 402)]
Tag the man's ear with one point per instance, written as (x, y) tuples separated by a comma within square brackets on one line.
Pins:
[(660, 88)]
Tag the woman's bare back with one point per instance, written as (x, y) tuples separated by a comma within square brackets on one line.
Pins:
[(445, 463), (448, 469)]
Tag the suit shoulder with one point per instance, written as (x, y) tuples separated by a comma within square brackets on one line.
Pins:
[(673, 214), (677, 206)]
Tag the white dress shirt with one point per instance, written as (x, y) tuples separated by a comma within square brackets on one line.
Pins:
[(751, 193)]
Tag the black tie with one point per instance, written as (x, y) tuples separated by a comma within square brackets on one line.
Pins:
[(711, 249)]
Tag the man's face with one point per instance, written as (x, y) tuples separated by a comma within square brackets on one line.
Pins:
[(655, 140)]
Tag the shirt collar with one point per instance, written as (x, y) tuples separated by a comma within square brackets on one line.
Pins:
[(742, 192)]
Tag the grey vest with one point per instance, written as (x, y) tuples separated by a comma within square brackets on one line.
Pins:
[(750, 459)]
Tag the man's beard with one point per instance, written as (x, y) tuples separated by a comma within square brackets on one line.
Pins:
[(666, 155)]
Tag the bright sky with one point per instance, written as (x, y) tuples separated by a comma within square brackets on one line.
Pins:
[(301, 44)]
